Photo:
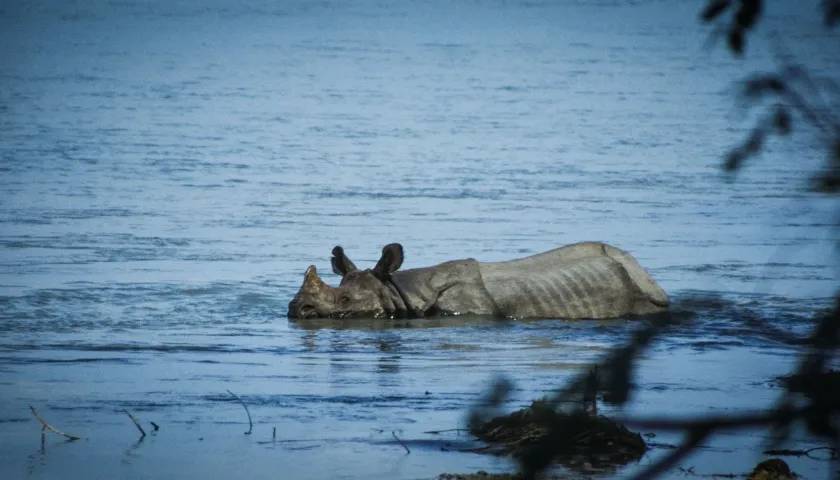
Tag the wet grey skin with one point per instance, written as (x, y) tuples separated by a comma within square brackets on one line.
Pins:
[(584, 280)]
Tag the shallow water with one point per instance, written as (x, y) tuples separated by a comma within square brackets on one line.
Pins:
[(169, 169)]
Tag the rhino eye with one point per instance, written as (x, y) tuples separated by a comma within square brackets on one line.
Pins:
[(344, 299)]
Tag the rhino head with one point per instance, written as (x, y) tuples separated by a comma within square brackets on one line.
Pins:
[(362, 293)]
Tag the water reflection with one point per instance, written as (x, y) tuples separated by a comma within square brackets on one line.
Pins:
[(309, 340), (397, 323), (37, 460), (389, 344), (130, 454)]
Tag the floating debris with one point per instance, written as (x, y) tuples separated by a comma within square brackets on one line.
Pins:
[(572, 439), (773, 469)]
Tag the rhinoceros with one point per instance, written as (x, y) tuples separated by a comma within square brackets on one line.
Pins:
[(583, 280)]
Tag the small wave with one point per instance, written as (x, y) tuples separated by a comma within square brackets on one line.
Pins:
[(287, 400), (221, 362), (133, 347), (15, 420), (484, 194), (27, 360)]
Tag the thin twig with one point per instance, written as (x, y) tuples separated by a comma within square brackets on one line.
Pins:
[(273, 434), (250, 423), (47, 426), (407, 451), (136, 423)]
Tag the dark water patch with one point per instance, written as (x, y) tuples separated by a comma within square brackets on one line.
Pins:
[(131, 347), (15, 420), (720, 344), (57, 380), (376, 324), (293, 400), (145, 405), (86, 249), (665, 387), (290, 377), (239, 333), (459, 194), (713, 321), (18, 220), (117, 407), (757, 272), (221, 362), (443, 45), (67, 361), (90, 213)]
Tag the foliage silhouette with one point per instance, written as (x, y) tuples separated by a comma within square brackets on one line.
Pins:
[(811, 395), (791, 91)]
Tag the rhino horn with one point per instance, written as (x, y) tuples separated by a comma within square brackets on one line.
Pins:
[(311, 280)]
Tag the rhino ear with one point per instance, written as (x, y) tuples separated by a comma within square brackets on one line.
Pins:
[(392, 259), (341, 265)]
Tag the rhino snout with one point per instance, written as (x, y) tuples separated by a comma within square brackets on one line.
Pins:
[(302, 310)]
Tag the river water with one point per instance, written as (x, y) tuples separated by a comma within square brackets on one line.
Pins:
[(170, 169)]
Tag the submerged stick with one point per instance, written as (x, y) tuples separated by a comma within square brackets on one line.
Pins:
[(250, 423), (155, 426), (407, 451), (47, 426), (136, 423)]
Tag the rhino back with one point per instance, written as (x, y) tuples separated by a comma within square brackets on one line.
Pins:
[(584, 280), (454, 287)]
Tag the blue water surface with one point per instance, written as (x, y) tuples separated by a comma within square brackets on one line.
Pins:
[(168, 170)]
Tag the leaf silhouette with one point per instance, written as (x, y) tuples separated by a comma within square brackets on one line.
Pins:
[(747, 14), (736, 41), (714, 9), (831, 12)]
